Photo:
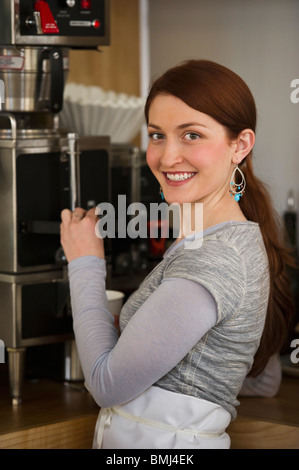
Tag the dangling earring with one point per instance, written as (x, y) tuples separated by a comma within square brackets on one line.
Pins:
[(161, 194), (237, 189)]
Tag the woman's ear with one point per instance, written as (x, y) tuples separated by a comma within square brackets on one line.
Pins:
[(243, 145)]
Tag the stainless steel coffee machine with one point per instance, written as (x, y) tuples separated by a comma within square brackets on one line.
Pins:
[(43, 169)]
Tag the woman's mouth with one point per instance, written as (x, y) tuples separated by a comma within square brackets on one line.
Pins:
[(178, 176)]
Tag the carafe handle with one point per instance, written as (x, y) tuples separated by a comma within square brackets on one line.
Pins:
[(52, 65)]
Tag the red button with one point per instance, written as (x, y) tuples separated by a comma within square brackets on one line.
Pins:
[(85, 4), (96, 24)]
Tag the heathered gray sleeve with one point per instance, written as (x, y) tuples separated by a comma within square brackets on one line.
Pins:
[(117, 370)]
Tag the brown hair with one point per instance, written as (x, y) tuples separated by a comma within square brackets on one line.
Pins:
[(217, 91)]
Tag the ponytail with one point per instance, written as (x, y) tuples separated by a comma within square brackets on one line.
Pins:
[(256, 205)]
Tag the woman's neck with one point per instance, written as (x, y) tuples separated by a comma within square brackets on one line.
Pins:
[(197, 217)]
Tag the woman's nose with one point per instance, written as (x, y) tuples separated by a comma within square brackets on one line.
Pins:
[(171, 154)]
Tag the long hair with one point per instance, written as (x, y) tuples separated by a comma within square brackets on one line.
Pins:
[(220, 93)]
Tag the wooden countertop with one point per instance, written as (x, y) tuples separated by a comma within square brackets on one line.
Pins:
[(282, 409), (51, 416), (268, 423), (55, 416)]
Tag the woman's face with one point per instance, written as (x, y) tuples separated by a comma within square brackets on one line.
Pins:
[(188, 152)]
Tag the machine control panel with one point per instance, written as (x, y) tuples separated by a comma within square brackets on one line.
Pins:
[(73, 23)]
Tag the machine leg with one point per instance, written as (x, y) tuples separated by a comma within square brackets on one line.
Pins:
[(16, 365)]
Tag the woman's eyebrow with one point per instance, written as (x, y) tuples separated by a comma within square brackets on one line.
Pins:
[(154, 126), (190, 124), (180, 126)]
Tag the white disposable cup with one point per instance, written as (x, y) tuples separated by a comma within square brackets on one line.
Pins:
[(115, 301)]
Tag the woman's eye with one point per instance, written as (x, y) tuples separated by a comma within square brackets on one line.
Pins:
[(192, 136), (156, 136)]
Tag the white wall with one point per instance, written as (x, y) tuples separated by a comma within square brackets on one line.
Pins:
[(258, 39)]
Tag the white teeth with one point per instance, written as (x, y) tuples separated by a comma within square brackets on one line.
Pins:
[(179, 176)]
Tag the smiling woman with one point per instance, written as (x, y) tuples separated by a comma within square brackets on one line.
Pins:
[(210, 313), (193, 157), (218, 94)]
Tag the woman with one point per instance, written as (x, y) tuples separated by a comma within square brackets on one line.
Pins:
[(209, 314)]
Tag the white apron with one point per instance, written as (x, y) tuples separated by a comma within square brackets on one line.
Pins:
[(159, 419)]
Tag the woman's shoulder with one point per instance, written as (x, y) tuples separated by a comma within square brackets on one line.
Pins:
[(241, 235), (233, 250), (228, 237)]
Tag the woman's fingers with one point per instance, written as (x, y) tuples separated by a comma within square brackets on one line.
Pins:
[(66, 215), (78, 236), (78, 214)]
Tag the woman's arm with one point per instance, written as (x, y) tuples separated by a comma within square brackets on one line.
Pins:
[(159, 335)]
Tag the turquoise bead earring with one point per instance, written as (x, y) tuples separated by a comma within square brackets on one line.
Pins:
[(161, 194), (237, 189)]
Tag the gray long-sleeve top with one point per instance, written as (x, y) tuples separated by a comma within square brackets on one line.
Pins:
[(192, 327)]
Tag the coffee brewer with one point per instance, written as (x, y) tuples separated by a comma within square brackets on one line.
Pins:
[(43, 169)]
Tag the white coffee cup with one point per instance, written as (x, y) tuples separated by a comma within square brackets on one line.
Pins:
[(115, 301)]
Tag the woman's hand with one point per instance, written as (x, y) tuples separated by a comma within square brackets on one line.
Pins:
[(77, 234)]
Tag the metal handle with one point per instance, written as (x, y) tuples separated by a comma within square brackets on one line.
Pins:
[(38, 22), (74, 182), (51, 79), (13, 124), (74, 173), (57, 80)]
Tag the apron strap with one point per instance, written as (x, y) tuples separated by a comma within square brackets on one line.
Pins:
[(106, 415)]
